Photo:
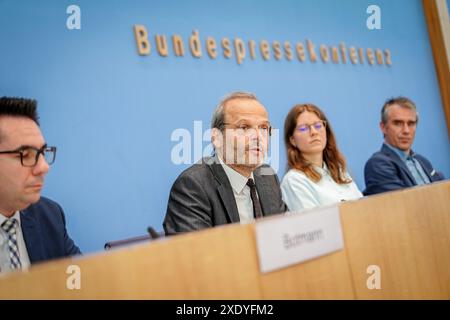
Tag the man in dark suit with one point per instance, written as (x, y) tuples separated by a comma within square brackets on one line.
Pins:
[(396, 166), (32, 228), (233, 185)]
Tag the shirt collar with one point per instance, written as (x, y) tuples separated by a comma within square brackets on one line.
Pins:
[(237, 180), (14, 216), (402, 154), (323, 170)]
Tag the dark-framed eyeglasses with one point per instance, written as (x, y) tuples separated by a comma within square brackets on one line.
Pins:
[(318, 125), (29, 156)]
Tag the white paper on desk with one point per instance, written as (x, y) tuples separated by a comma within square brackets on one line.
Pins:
[(294, 238)]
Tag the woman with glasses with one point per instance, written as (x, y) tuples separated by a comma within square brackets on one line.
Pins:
[(317, 173)]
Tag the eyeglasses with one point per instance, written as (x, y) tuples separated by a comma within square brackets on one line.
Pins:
[(318, 125), (246, 130), (29, 156)]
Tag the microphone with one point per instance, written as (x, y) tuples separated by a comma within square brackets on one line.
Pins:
[(153, 234)]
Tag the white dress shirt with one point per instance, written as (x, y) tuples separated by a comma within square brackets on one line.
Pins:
[(5, 264), (300, 192), (241, 192)]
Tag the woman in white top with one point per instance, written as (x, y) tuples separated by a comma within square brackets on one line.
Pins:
[(317, 171)]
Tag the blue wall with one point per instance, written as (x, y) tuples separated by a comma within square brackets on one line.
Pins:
[(112, 112)]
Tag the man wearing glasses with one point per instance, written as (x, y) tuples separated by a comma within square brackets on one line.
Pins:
[(233, 185), (32, 228), (396, 166)]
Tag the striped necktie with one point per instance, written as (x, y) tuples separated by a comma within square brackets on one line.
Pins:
[(9, 226)]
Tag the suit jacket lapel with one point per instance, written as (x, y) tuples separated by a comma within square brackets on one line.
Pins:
[(225, 190), (31, 236), (424, 166), (385, 149), (265, 192)]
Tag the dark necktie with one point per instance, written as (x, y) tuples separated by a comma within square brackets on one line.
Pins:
[(257, 212)]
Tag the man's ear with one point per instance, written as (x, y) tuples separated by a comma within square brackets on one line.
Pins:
[(217, 138), (383, 127)]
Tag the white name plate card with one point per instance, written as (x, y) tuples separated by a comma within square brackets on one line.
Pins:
[(298, 237)]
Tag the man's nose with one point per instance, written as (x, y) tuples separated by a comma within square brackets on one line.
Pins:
[(405, 128), (41, 167), (255, 134)]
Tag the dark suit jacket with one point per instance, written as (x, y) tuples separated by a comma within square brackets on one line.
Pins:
[(202, 197), (44, 231), (385, 171)]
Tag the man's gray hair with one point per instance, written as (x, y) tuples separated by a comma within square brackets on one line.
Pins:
[(401, 101), (218, 116)]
